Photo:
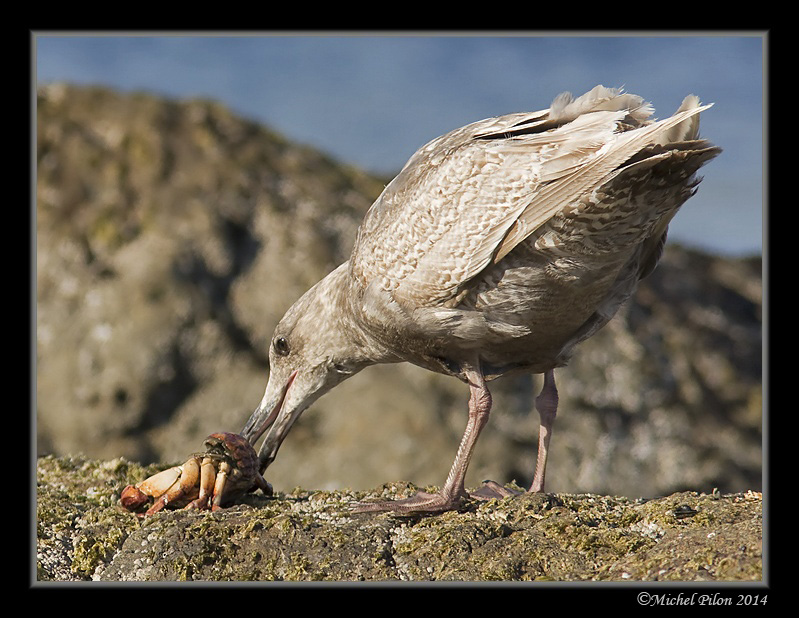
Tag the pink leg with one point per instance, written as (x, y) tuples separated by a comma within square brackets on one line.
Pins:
[(453, 491), (547, 405)]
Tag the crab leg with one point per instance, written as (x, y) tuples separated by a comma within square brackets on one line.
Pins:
[(219, 486), (263, 485), (207, 479)]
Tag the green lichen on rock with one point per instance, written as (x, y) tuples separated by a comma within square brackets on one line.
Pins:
[(83, 534), (79, 523)]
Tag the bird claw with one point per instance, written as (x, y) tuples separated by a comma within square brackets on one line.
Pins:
[(491, 490), (422, 502)]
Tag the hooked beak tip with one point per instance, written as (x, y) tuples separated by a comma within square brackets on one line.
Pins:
[(249, 432)]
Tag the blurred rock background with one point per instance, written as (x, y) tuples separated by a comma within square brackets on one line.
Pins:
[(172, 235)]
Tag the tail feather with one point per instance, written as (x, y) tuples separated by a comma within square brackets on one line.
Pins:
[(565, 107), (688, 129)]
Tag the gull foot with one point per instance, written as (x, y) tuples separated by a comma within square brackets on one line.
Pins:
[(492, 489), (422, 502)]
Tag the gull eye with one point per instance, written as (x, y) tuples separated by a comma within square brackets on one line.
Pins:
[(281, 346)]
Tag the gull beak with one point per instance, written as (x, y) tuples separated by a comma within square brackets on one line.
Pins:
[(273, 413)]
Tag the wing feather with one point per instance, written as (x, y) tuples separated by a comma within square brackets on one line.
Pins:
[(468, 198)]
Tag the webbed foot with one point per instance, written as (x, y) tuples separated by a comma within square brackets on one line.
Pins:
[(422, 502)]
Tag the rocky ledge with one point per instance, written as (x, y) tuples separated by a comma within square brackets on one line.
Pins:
[(83, 535), (170, 238)]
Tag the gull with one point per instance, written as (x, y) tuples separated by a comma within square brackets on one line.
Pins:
[(496, 250)]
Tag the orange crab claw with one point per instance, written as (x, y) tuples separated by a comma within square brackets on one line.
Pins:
[(133, 498), (183, 488)]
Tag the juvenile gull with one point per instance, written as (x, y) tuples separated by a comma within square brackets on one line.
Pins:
[(496, 250)]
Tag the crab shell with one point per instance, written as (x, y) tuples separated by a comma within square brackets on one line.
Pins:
[(244, 472), (227, 469)]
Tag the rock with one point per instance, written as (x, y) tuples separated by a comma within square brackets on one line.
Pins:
[(168, 236), (84, 535)]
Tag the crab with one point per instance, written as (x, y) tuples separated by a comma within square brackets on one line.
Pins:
[(227, 469)]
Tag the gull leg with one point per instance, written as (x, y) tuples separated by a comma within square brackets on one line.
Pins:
[(547, 405), (453, 491)]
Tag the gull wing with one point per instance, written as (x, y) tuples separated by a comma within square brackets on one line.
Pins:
[(466, 199)]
